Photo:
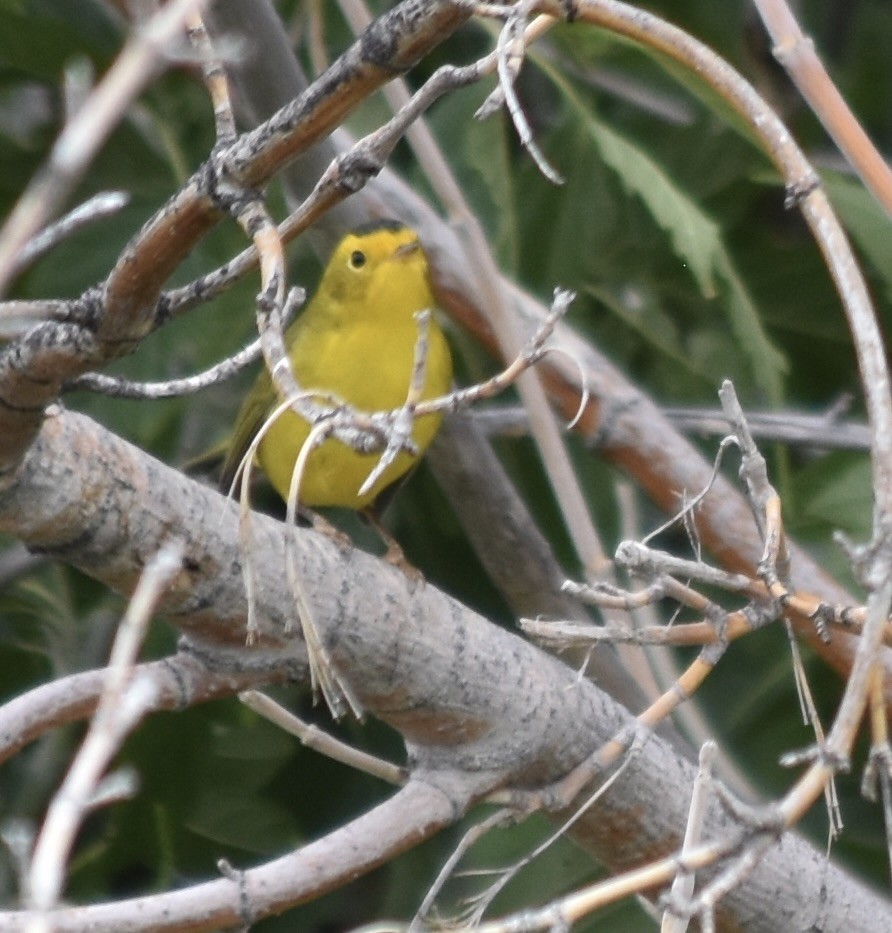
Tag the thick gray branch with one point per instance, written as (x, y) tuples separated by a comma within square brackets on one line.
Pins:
[(470, 698)]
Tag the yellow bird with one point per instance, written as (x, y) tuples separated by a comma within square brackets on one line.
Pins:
[(356, 339)]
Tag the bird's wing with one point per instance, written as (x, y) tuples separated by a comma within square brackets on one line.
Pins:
[(254, 412)]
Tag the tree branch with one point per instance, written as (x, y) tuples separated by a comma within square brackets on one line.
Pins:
[(468, 697), (240, 898)]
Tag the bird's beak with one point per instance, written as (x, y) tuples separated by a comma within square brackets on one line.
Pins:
[(407, 249)]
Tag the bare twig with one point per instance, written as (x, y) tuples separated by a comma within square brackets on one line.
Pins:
[(214, 79), (563, 913), (100, 206), (819, 432), (313, 737), (510, 49), (645, 562), (827, 431), (182, 680), (88, 130), (497, 820), (811, 718), (731, 877), (175, 388), (878, 773), (399, 438), (125, 699), (325, 677), (479, 904), (675, 918)]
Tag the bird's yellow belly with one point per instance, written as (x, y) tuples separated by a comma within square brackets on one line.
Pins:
[(334, 473), (342, 364)]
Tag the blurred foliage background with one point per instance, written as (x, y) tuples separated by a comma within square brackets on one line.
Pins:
[(672, 228)]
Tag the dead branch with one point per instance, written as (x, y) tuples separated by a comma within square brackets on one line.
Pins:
[(241, 898), (127, 696), (183, 680)]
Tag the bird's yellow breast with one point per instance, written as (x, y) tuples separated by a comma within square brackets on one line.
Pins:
[(357, 340)]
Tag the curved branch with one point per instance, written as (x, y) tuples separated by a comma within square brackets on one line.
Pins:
[(417, 811), (182, 680)]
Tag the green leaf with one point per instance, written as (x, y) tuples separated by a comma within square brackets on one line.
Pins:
[(478, 152), (40, 37), (695, 237), (693, 234), (232, 818), (838, 490), (653, 326)]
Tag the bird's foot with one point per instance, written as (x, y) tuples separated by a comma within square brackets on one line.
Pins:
[(325, 527), (395, 556)]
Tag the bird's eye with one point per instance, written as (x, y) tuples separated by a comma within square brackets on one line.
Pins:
[(357, 259)]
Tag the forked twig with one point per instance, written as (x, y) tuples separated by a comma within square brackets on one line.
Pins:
[(316, 739)]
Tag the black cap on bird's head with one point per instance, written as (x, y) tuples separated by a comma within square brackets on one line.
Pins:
[(394, 226), (379, 223)]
